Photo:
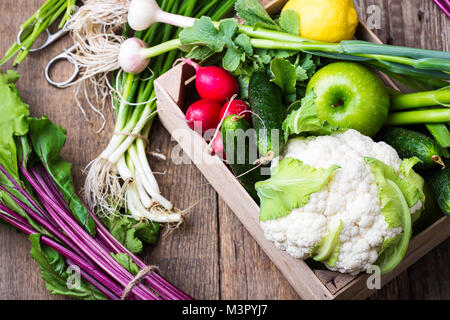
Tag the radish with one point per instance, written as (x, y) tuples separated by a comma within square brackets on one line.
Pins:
[(217, 146), (214, 83), (203, 112), (237, 107)]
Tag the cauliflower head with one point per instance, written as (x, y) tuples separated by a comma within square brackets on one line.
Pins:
[(342, 199)]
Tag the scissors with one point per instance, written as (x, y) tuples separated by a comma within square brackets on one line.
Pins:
[(65, 55)]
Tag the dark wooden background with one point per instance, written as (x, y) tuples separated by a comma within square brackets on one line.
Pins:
[(212, 256)]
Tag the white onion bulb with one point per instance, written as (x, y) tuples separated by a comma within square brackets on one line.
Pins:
[(142, 14), (131, 56)]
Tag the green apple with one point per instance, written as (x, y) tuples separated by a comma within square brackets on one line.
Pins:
[(348, 95)]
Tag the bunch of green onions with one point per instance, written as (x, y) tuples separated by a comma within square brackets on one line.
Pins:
[(121, 178), (427, 107), (42, 19)]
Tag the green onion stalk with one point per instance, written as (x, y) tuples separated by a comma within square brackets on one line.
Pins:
[(132, 57), (31, 29), (120, 179), (424, 108)]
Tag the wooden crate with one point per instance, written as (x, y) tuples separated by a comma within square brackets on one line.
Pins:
[(172, 90)]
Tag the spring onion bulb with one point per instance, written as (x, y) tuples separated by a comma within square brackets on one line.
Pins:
[(120, 180), (143, 13)]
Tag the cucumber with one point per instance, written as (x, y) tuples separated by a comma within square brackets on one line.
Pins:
[(439, 181), (410, 143), (237, 146), (268, 114)]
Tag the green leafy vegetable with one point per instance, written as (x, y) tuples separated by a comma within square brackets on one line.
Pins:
[(126, 262), (254, 14), (304, 120), (54, 272), (131, 233), (289, 21), (327, 250), (47, 141), (284, 75), (289, 187), (203, 32), (13, 121)]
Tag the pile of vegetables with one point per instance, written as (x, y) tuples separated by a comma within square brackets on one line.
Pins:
[(334, 194), (37, 197)]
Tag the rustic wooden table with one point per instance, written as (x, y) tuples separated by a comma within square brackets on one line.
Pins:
[(212, 256)]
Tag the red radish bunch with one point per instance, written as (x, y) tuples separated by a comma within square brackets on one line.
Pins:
[(204, 114), (214, 83), (216, 87)]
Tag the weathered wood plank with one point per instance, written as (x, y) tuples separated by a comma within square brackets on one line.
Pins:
[(246, 271), (230, 265)]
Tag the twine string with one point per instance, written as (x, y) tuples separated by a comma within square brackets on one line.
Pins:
[(141, 275)]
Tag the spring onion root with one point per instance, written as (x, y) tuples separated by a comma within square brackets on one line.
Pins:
[(120, 180)]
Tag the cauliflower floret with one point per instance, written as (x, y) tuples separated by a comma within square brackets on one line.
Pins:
[(351, 196)]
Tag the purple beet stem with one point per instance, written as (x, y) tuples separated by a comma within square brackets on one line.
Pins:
[(92, 256)]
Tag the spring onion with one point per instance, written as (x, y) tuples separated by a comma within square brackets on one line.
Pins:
[(120, 179), (47, 14)]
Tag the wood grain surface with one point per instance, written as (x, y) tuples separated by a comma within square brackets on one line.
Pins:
[(212, 256)]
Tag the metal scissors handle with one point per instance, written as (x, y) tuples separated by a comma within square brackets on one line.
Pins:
[(63, 56), (51, 37)]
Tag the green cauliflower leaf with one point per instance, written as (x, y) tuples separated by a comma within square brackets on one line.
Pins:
[(396, 197), (289, 187), (304, 119), (327, 250)]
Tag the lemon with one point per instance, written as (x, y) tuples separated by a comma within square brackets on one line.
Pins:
[(325, 20)]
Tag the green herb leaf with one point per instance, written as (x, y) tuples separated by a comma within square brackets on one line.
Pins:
[(131, 233), (243, 41), (284, 75), (289, 187), (200, 53), (47, 141), (232, 59), (126, 262), (254, 14), (301, 73), (54, 272), (309, 65), (203, 32), (290, 22)]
